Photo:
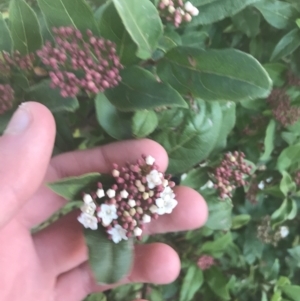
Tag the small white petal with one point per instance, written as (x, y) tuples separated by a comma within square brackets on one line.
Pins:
[(117, 233), (87, 198), (284, 231), (261, 185), (88, 221), (150, 160), (107, 214), (111, 193), (188, 6), (137, 231), (160, 202), (210, 184), (88, 208), (100, 193), (132, 203), (154, 178), (146, 218), (124, 194)]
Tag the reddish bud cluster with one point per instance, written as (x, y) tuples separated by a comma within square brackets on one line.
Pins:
[(255, 126), (230, 173), (6, 98), (205, 262), (292, 79), (282, 109), (76, 64)]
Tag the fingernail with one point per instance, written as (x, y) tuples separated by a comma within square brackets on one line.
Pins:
[(20, 120)]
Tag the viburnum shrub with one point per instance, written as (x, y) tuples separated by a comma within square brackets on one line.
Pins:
[(217, 84)]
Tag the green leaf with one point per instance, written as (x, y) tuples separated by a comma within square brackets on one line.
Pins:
[(219, 217), (72, 187), (211, 11), (117, 124), (253, 247), (195, 38), (269, 141), (24, 26), (96, 297), (139, 90), (143, 24), (278, 13), (217, 247), (287, 211), (291, 291), (169, 40), (6, 43), (192, 282), (75, 13), (51, 98), (193, 142), (287, 185), (112, 28), (195, 178), (110, 262), (288, 156), (228, 74), (144, 123), (248, 22), (277, 72), (287, 45), (217, 283), (240, 220)]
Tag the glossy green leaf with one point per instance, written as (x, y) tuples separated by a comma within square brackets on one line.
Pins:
[(143, 24), (144, 123), (253, 247), (247, 21), (240, 220), (217, 247), (169, 40), (193, 142), (269, 141), (287, 45), (6, 43), (110, 262), (24, 26), (112, 28), (287, 211), (278, 13), (228, 74), (217, 283), (219, 217), (291, 291), (195, 178), (117, 124), (288, 156), (51, 98), (75, 13), (287, 185), (215, 10), (139, 90), (72, 187), (192, 282)]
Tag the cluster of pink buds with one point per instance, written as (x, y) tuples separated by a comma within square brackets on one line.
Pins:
[(205, 262), (231, 173), (176, 11), (6, 98), (75, 63), (16, 60), (140, 193), (282, 109)]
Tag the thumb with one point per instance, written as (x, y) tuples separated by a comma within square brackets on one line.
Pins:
[(25, 151)]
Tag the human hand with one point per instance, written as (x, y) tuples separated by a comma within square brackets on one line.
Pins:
[(51, 265)]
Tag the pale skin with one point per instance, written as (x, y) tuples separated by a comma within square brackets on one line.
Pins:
[(52, 264)]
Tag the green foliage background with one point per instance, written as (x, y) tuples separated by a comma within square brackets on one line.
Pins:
[(194, 89)]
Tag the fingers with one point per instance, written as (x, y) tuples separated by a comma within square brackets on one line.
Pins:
[(76, 163), (156, 263), (25, 150), (69, 249)]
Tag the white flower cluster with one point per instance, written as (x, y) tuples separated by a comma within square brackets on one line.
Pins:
[(110, 213), (177, 11)]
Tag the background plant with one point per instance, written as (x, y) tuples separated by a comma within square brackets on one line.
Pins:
[(220, 83)]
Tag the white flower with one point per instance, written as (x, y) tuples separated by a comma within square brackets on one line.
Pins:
[(87, 198), (261, 185), (88, 221), (171, 9), (100, 193), (124, 194), (153, 209), (188, 6), (132, 203), (154, 178), (107, 213), (117, 234), (88, 208), (137, 231), (111, 193), (284, 231), (195, 11), (150, 160), (166, 203), (146, 218)]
